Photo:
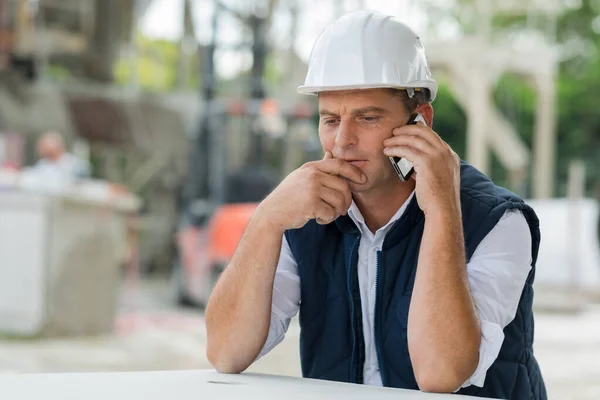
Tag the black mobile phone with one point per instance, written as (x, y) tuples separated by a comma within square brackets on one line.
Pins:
[(402, 166)]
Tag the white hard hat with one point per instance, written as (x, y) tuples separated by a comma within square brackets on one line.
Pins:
[(365, 50)]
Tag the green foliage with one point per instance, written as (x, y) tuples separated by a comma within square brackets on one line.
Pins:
[(58, 73), (577, 95), (156, 66), (516, 99), (450, 120), (273, 75)]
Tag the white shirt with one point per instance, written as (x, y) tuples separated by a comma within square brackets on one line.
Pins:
[(67, 165), (497, 272)]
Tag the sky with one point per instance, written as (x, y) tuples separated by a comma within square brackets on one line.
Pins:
[(163, 20)]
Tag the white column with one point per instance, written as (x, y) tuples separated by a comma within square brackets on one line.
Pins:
[(477, 119), (545, 138)]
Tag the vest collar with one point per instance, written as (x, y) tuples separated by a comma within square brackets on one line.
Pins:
[(411, 217), (346, 225)]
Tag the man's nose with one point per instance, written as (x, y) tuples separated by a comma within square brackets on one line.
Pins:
[(345, 135)]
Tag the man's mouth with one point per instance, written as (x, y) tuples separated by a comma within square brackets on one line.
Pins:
[(357, 163)]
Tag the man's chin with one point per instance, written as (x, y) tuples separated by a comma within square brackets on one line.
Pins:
[(376, 184), (359, 187)]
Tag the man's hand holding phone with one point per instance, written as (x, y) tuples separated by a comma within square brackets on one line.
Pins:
[(317, 190), (404, 168), (436, 166)]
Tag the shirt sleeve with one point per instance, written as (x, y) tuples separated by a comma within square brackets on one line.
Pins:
[(286, 298), (497, 273)]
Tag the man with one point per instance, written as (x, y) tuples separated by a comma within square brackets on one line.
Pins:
[(424, 284), (55, 161)]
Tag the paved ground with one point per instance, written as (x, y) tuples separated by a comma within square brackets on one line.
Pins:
[(152, 334)]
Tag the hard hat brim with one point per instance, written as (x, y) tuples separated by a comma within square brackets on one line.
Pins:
[(314, 90)]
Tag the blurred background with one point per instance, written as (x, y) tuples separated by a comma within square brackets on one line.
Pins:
[(137, 136)]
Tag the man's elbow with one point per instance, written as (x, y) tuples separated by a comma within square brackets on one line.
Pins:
[(437, 383), (444, 377), (223, 362)]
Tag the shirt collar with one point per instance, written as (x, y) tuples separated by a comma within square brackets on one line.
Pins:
[(359, 220)]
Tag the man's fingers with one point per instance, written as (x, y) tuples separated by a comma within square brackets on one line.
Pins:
[(419, 130), (343, 169), (335, 199), (416, 142), (324, 213), (340, 185), (410, 153)]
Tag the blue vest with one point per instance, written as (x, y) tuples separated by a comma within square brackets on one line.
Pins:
[(331, 337)]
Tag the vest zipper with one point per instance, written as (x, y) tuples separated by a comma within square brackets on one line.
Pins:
[(351, 298), (376, 331)]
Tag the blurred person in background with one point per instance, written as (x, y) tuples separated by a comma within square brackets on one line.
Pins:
[(56, 161), (420, 283)]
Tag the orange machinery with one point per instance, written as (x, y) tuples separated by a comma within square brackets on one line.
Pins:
[(212, 227)]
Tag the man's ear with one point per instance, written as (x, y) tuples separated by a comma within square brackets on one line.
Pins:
[(426, 110)]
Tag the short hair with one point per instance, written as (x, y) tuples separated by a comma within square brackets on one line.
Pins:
[(411, 103)]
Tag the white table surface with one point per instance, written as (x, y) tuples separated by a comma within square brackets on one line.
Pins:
[(196, 385)]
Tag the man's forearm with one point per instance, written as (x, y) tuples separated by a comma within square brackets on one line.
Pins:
[(443, 328), (239, 309)]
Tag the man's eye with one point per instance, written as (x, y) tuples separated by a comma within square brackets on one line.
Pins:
[(331, 121), (370, 119)]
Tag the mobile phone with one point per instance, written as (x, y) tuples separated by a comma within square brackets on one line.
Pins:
[(402, 166)]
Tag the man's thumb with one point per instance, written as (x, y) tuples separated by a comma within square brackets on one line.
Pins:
[(328, 155)]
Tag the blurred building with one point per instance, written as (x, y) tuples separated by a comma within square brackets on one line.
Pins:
[(136, 139)]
